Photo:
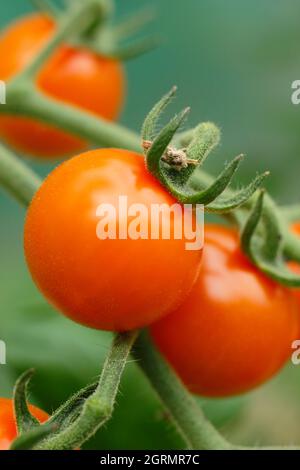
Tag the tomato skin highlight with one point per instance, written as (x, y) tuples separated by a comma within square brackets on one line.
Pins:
[(237, 326), (72, 75), (8, 428), (110, 284)]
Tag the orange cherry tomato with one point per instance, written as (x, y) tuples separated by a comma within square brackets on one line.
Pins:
[(110, 284), (237, 326), (73, 75), (8, 428)]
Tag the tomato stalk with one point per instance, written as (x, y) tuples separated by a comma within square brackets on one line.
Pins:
[(31, 102), (17, 178), (98, 408), (69, 428), (194, 428)]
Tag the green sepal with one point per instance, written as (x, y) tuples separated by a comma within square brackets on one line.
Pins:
[(150, 123), (223, 204), (71, 409), (261, 240), (173, 160), (134, 23), (161, 142), (130, 51), (24, 419), (204, 139), (187, 196), (206, 136)]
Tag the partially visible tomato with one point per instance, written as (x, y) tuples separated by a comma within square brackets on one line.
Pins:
[(111, 284), (73, 75), (8, 428), (293, 265), (237, 326)]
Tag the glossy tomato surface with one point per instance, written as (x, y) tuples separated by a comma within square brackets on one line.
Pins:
[(110, 284), (73, 75), (8, 429), (236, 328)]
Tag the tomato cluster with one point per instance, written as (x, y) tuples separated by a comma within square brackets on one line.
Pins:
[(233, 330)]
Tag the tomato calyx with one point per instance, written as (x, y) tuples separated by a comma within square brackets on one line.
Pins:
[(173, 159), (264, 238), (100, 36), (75, 421)]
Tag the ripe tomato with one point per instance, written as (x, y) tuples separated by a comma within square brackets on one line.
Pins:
[(73, 75), (236, 328), (8, 429), (110, 284)]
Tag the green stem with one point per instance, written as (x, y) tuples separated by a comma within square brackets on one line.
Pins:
[(75, 21), (16, 177), (195, 429), (30, 102), (99, 406)]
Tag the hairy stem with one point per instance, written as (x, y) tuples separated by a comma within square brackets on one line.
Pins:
[(195, 429), (98, 408)]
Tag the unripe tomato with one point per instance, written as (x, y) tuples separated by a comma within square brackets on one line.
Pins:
[(237, 326), (73, 75), (8, 428), (110, 284)]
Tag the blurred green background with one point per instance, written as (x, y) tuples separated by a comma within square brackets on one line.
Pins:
[(234, 62)]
